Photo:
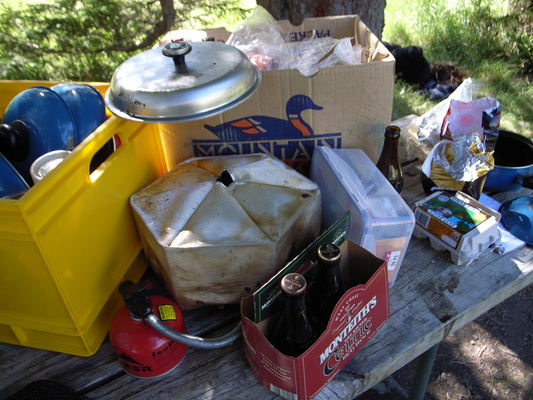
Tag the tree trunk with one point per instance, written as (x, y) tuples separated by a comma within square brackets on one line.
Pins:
[(372, 12), (168, 15)]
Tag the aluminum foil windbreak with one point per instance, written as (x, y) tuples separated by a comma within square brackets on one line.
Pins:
[(216, 228)]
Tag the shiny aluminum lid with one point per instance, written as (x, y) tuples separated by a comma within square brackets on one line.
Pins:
[(181, 82)]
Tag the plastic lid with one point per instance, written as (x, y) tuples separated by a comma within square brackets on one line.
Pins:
[(350, 180)]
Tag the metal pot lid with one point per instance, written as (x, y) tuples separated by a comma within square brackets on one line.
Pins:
[(181, 82)]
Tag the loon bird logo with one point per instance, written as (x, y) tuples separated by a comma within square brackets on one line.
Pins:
[(260, 127), (290, 139)]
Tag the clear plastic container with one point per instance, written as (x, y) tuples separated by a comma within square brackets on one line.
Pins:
[(380, 220)]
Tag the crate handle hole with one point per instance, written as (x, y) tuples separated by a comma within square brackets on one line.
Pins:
[(104, 152)]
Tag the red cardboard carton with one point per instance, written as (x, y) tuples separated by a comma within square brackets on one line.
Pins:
[(358, 315)]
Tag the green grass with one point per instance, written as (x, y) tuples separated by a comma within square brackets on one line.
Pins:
[(489, 41)]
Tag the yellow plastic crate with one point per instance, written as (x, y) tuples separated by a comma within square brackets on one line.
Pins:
[(69, 241)]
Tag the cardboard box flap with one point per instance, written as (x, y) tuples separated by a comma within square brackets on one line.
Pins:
[(338, 27)]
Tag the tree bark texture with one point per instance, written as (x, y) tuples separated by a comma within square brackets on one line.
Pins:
[(164, 25), (372, 12)]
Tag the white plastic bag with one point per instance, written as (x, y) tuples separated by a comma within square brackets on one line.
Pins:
[(264, 42), (305, 56), (430, 123), (344, 53), (260, 35)]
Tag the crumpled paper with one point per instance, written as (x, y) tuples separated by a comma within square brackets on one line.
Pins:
[(471, 117)]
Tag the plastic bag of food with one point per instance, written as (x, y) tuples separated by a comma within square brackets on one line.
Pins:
[(344, 53), (305, 56), (472, 117), (264, 42), (261, 38)]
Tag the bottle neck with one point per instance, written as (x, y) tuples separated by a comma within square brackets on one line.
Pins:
[(390, 149), (333, 270), (295, 305), (389, 162), (333, 283)]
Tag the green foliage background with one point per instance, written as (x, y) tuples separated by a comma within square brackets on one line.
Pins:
[(491, 41), (87, 40)]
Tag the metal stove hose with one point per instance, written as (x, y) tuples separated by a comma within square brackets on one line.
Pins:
[(194, 341)]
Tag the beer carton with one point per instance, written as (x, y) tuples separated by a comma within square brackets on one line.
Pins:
[(358, 315)]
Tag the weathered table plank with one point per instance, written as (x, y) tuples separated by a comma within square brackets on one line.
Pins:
[(22, 365), (414, 325), (431, 298)]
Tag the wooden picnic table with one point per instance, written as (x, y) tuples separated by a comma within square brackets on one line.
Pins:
[(431, 298)]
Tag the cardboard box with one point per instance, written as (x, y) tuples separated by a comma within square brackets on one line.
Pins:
[(457, 223), (352, 106), (358, 315), (381, 221)]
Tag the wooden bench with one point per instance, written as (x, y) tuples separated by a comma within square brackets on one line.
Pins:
[(432, 298)]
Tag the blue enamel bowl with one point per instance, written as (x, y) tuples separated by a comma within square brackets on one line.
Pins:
[(513, 156), (10, 180), (517, 218), (49, 121), (86, 106)]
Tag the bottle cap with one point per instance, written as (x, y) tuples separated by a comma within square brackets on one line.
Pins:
[(329, 253), (293, 284)]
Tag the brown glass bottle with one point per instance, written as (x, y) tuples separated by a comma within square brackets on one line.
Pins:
[(329, 288), (389, 162), (295, 331)]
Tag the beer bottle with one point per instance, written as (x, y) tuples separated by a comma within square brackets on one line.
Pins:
[(389, 163), (295, 331), (328, 283)]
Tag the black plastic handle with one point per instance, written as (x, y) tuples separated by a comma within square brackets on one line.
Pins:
[(177, 51), (137, 299), (15, 140)]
